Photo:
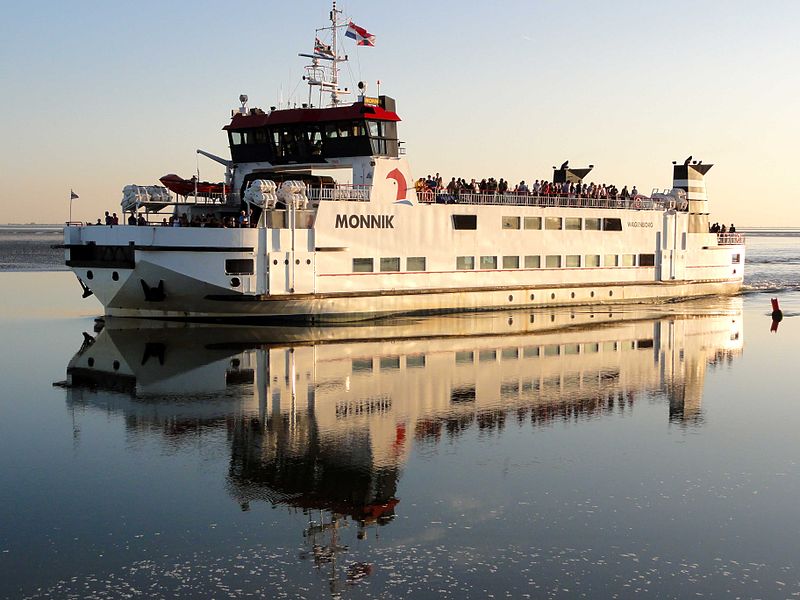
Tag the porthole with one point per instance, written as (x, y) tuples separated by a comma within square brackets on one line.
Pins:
[(274, 262), (610, 292), (533, 296), (115, 364), (572, 316), (572, 295), (308, 261), (286, 262), (552, 296), (591, 294), (90, 362), (510, 320), (510, 298), (552, 318), (115, 276), (297, 261), (89, 275), (235, 282)]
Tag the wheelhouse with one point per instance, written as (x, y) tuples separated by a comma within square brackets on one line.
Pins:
[(313, 135)]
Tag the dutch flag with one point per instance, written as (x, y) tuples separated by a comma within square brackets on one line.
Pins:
[(360, 35)]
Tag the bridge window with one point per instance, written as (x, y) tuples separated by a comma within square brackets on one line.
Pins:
[(572, 223), (510, 222), (612, 224)]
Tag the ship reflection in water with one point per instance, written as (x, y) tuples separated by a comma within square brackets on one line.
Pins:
[(323, 419)]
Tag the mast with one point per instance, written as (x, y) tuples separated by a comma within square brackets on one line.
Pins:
[(323, 72)]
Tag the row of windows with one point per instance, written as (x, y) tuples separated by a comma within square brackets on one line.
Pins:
[(550, 223), (556, 261), (388, 265), (389, 363), (551, 261)]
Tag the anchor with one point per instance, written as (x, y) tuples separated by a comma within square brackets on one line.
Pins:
[(86, 291)]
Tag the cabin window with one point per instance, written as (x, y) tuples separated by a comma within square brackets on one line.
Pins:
[(530, 352), (488, 262), (239, 266), (362, 265), (647, 260), (572, 349), (487, 355), (465, 221), (612, 224), (510, 222), (591, 224), (465, 262), (628, 260), (415, 263), (592, 348), (390, 264), (533, 262), (389, 363), (572, 223), (361, 365), (552, 222), (464, 357), (415, 361), (611, 260), (591, 260), (236, 138), (511, 262), (374, 128), (552, 261), (533, 222), (552, 350), (736, 259), (573, 260)]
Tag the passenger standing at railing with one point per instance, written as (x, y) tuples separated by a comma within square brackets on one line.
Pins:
[(732, 229)]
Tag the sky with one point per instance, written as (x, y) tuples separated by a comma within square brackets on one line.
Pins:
[(98, 95)]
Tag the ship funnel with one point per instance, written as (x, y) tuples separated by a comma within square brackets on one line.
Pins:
[(690, 177), (565, 174)]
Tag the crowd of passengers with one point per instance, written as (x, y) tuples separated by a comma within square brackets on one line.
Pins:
[(208, 220), (717, 228), (435, 188)]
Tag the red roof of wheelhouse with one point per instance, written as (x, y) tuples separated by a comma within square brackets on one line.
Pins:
[(311, 115)]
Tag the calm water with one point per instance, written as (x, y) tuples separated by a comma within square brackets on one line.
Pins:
[(549, 454)]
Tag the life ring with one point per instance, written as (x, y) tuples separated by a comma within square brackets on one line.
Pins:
[(637, 203)]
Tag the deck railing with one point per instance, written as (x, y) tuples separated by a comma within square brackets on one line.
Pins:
[(553, 200), (730, 239), (346, 192)]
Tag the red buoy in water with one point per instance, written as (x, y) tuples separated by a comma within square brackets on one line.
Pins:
[(777, 315)]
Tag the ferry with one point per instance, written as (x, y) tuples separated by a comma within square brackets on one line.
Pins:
[(318, 219)]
